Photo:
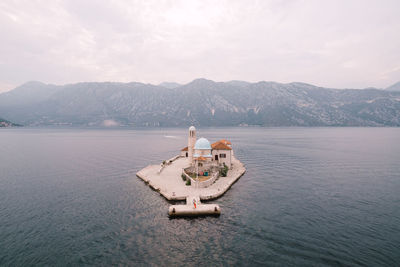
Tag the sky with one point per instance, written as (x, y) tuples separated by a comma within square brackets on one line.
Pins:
[(336, 44)]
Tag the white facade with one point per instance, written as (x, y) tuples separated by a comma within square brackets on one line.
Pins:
[(201, 153), (185, 153), (191, 142), (222, 156)]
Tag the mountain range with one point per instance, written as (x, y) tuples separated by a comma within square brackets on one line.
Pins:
[(394, 87), (201, 102)]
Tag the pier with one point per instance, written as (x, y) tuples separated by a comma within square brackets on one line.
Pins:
[(194, 207)]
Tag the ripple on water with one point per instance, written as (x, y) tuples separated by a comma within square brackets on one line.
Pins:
[(309, 197)]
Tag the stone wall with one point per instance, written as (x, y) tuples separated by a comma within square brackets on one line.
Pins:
[(203, 184)]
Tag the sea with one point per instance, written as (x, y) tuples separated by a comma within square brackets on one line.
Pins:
[(310, 197)]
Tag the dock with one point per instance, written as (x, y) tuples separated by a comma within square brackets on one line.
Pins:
[(194, 207)]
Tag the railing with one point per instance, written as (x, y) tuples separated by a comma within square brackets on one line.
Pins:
[(192, 181), (168, 162), (209, 181), (162, 166), (201, 184), (173, 159)]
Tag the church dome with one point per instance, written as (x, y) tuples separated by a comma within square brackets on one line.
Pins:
[(202, 143)]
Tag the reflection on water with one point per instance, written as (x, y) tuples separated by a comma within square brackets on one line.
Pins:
[(310, 196)]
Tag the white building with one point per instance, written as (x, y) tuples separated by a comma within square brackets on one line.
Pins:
[(201, 153), (222, 152)]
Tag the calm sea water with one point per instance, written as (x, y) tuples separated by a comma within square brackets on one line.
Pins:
[(310, 197)]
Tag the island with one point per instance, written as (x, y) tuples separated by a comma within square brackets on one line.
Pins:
[(201, 171)]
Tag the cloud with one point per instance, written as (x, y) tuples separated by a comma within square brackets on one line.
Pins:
[(335, 44)]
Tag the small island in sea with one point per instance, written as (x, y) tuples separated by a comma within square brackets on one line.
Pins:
[(202, 171)]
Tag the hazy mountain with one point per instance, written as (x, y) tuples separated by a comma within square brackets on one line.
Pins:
[(394, 87), (201, 102), (170, 85), (27, 94), (238, 83)]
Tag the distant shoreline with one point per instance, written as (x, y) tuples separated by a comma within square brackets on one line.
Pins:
[(55, 127)]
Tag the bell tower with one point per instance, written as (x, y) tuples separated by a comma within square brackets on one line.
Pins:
[(191, 142)]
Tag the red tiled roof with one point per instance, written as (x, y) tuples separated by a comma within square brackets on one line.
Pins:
[(226, 142), (221, 145), (184, 149), (201, 158)]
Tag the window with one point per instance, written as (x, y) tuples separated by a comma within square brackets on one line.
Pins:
[(222, 156), (186, 154)]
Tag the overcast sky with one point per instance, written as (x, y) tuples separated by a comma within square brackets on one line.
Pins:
[(341, 44)]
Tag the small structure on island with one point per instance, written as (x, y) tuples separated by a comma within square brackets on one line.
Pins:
[(207, 170), (204, 156)]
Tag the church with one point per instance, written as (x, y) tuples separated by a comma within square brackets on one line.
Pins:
[(201, 171), (202, 154)]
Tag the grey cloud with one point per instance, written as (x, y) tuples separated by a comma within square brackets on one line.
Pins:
[(334, 44)]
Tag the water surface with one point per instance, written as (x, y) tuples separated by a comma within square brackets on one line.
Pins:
[(310, 196)]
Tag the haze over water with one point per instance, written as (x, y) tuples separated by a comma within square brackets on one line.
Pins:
[(310, 196)]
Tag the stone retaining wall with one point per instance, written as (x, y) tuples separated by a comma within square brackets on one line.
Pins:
[(203, 184)]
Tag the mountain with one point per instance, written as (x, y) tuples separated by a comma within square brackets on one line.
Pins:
[(27, 94), (238, 83), (170, 85), (200, 102), (394, 87)]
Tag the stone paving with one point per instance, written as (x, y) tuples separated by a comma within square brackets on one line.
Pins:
[(170, 184)]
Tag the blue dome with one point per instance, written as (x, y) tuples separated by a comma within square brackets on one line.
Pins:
[(202, 143)]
